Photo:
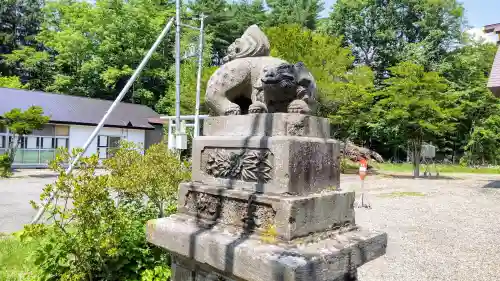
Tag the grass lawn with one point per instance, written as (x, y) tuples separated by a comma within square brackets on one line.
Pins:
[(407, 167), (14, 255)]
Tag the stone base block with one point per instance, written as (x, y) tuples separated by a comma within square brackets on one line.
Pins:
[(291, 216), (268, 124), (278, 164), (184, 269), (237, 257)]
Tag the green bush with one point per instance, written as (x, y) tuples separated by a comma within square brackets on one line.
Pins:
[(5, 166), (99, 234), (347, 166)]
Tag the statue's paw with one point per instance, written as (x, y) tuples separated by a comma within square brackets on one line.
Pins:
[(298, 106), (233, 110), (257, 107)]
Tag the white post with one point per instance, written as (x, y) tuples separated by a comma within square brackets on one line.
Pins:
[(171, 137), (111, 108), (177, 70), (198, 79)]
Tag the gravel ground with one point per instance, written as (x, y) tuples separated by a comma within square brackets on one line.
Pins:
[(446, 230), (15, 194)]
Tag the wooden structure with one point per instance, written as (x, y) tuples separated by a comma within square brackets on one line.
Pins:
[(494, 81)]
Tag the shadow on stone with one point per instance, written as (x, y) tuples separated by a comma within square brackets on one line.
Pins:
[(249, 224)]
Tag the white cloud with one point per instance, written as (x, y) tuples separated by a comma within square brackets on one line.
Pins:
[(479, 35)]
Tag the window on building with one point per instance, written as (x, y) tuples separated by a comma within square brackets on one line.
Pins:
[(62, 130), (3, 137), (106, 145), (21, 142), (31, 142), (62, 143), (38, 147)]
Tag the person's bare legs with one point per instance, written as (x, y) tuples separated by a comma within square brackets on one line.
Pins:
[(362, 201)]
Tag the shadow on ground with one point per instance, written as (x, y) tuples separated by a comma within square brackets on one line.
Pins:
[(396, 176), (492, 184), (43, 176)]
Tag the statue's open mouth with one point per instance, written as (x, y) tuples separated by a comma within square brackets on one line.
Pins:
[(280, 78)]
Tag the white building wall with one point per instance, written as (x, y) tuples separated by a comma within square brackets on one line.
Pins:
[(79, 134)]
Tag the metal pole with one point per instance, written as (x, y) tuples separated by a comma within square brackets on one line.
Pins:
[(111, 108), (177, 68), (198, 79)]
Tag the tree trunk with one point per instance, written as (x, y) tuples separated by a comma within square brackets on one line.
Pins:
[(416, 157), (161, 210)]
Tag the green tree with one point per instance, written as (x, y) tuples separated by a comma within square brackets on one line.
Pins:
[(384, 33), (217, 24), (95, 48), (189, 72), (12, 82), (19, 123), (227, 21), (343, 90), (304, 13), (35, 67), (20, 23), (467, 69), (484, 142), (243, 14), (413, 106)]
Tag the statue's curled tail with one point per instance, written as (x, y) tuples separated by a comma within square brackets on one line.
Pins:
[(253, 43)]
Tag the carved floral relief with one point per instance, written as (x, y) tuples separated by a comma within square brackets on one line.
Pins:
[(250, 165)]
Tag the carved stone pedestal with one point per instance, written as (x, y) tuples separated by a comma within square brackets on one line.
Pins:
[(265, 205)]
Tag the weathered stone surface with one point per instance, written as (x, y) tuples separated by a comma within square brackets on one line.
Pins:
[(277, 164), (186, 270), (251, 81), (292, 216), (250, 259), (277, 124)]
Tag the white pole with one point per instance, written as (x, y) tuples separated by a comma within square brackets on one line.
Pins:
[(111, 108), (198, 79), (177, 68)]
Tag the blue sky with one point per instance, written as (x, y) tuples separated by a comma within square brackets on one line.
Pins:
[(479, 12)]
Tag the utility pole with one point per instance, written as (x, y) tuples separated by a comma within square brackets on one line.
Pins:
[(198, 78)]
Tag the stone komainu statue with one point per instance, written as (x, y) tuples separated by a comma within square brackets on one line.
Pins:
[(251, 81)]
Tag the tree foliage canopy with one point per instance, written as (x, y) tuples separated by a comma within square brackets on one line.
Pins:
[(384, 33)]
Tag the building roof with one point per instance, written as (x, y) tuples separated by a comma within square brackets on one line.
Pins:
[(494, 80), (77, 110), (492, 28)]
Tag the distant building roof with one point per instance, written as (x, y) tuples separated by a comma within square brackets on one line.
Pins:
[(77, 110), (494, 81), (492, 28)]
